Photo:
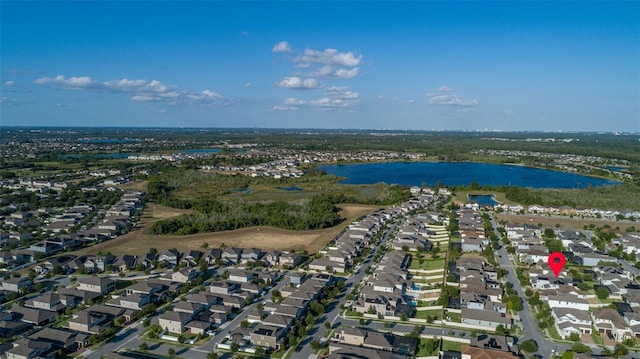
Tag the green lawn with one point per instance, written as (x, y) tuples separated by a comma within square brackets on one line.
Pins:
[(424, 348), (453, 346), (427, 264), (423, 314), (455, 317)]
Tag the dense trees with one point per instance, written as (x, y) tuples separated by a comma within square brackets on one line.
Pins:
[(318, 212)]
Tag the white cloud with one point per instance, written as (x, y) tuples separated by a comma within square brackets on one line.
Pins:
[(411, 101), (297, 83), (284, 108), (142, 90), (329, 71), (145, 98), (329, 57), (452, 100), (445, 89), (347, 74), (282, 46), (9, 83), (342, 92), (8, 101), (248, 85), (335, 98)]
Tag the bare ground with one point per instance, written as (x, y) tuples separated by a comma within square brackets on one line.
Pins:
[(139, 241)]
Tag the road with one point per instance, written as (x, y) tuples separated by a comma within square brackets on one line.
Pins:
[(128, 338), (529, 325), (318, 331), (231, 325)]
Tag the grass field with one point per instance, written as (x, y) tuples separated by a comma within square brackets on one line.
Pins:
[(453, 346), (268, 238), (427, 264), (423, 314)]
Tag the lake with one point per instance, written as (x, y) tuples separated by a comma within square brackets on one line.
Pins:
[(459, 173), (483, 199)]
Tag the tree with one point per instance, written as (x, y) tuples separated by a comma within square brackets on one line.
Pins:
[(235, 347), (327, 325), (602, 293), (276, 296), (574, 337), (212, 355), (620, 350), (315, 346), (567, 355), (171, 352), (144, 346), (529, 346), (403, 317), (580, 348), (204, 245)]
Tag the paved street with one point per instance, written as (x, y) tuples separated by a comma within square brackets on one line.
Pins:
[(318, 331), (529, 326)]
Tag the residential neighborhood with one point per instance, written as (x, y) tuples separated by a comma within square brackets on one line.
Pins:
[(434, 275)]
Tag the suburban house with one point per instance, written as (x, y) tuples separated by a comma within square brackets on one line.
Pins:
[(569, 320), (267, 336), (608, 321), (16, 284), (97, 285), (291, 260), (568, 301), (174, 322), (485, 318)]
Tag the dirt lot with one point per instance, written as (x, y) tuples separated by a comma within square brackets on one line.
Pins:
[(268, 238), (577, 223)]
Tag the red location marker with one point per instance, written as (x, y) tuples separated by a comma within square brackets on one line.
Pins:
[(556, 262)]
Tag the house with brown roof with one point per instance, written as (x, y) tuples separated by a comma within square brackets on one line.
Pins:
[(267, 336), (482, 353), (608, 321)]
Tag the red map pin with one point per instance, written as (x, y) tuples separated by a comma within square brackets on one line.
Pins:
[(556, 262)]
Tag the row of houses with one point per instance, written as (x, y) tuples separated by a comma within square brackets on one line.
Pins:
[(87, 318), (480, 293), (385, 292), (583, 212), (471, 230), (342, 252), (571, 308), (114, 223), (271, 324)]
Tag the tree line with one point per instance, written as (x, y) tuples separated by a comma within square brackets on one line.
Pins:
[(316, 213)]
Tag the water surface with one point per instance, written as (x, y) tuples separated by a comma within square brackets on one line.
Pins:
[(459, 173)]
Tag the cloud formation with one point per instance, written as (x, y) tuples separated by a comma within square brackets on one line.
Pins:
[(329, 57), (443, 97), (451, 100), (297, 83), (282, 46), (335, 99), (328, 65), (141, 90)]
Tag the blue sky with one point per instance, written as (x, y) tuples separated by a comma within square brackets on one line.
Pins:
[(570, 66)]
